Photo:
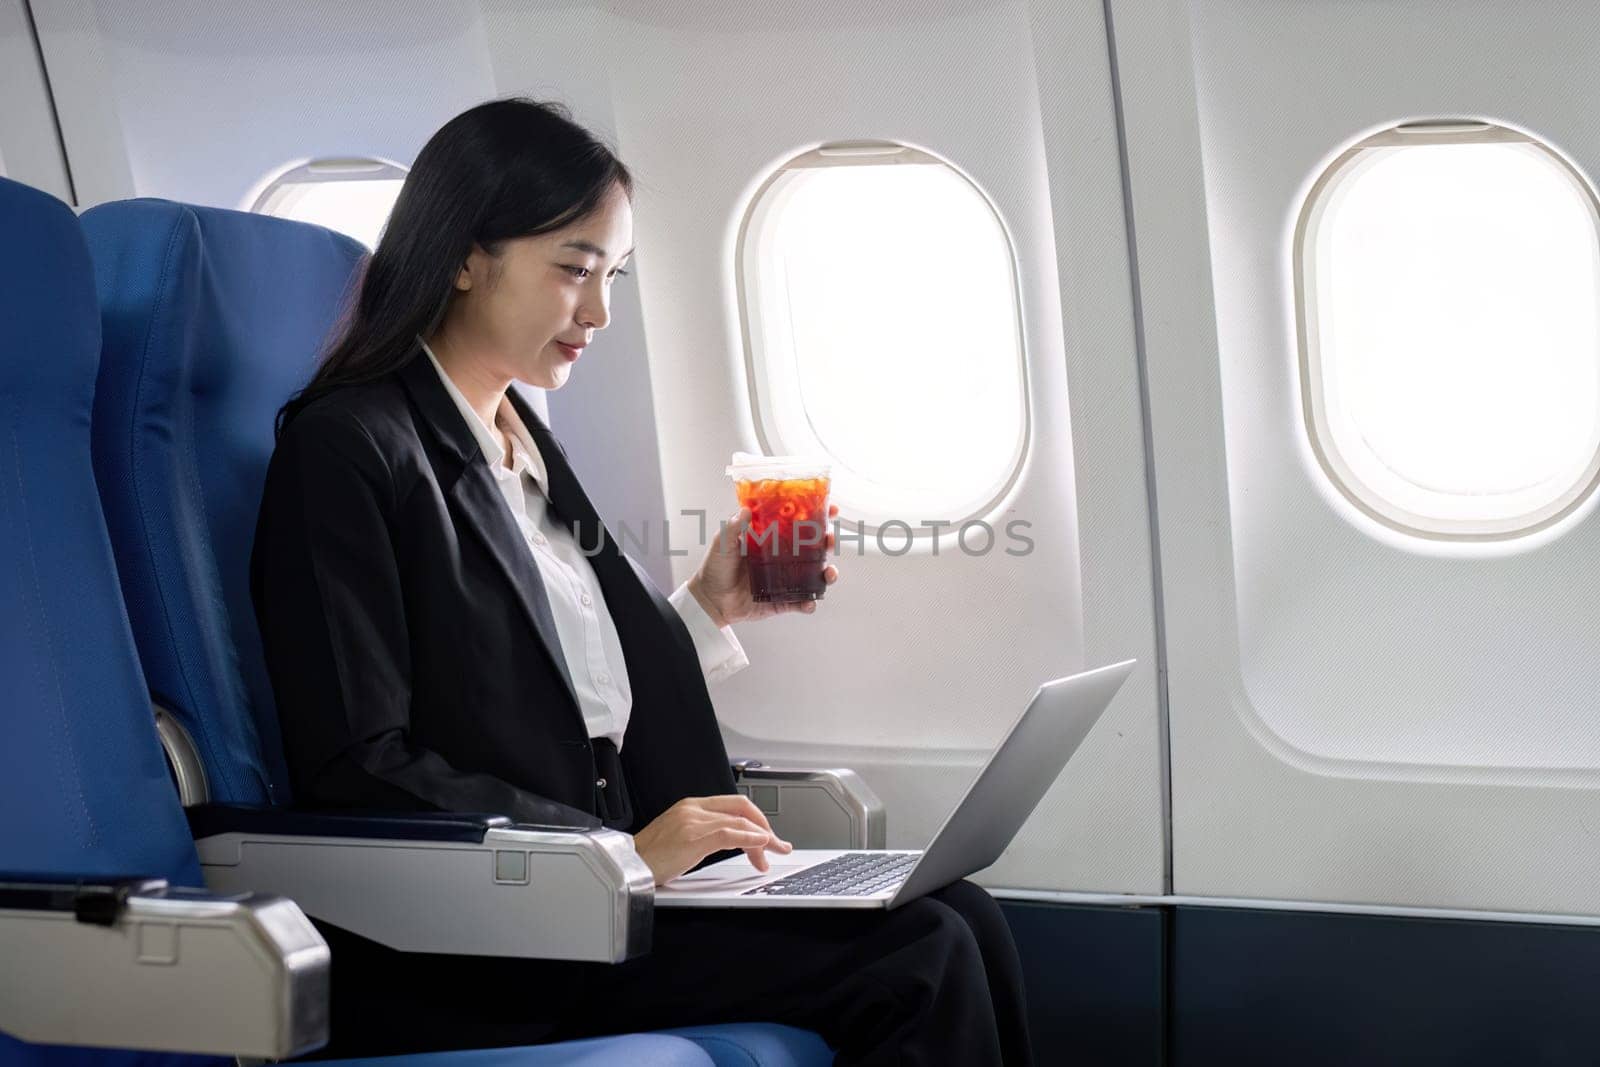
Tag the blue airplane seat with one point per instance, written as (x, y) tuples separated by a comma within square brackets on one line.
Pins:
[(212, 319), (758, 1045), (85, 793), (84, 790), (627, 1050)]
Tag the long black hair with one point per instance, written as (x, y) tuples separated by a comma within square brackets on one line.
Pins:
[(508, 168)]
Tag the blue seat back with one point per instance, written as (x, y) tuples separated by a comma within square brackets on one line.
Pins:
[(84, 788), (211, 320)]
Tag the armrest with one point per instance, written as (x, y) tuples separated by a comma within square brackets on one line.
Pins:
[(461, 884), (815, 807), (135, 964), (207, 820)]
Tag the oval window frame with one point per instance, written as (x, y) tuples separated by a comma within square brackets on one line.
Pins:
[(1389, 513), (878, 153), (324, 171)]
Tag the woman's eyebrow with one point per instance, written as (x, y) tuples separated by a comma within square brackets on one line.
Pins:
[(593, 249)]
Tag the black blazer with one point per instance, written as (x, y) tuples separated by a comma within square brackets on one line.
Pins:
[(409, 637)]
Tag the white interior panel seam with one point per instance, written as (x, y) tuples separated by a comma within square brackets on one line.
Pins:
[(31, 147), (1164, 733)]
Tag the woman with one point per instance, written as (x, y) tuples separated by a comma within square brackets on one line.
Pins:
[(449, 627)]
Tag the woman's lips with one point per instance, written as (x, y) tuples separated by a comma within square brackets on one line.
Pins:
[(568, 351)]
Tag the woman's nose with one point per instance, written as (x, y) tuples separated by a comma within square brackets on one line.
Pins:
[(595, 314)]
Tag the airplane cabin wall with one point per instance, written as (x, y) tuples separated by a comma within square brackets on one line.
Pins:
[(29, 149), (700, 137), (190, 101), (203, 102), (914, 666), (605, 414), (1355, 716)]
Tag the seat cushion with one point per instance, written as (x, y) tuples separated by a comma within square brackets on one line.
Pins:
[(758, 1045), (629, 1050)]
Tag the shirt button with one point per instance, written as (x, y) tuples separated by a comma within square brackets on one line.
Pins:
[(604, 679), (539, 539), (586, 599)]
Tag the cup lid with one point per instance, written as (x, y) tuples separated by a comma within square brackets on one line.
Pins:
[(751, 466)]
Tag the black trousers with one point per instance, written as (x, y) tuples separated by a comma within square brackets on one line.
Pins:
[(936, 981)]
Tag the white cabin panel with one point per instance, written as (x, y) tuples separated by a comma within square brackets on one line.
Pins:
[(915, 664), (30, 149), (1357, 715), (206, 103)]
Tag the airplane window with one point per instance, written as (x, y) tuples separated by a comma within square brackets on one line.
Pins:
[(882, 328), (1448, 289), (352, 196)]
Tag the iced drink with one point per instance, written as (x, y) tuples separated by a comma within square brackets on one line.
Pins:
[(785, 544)]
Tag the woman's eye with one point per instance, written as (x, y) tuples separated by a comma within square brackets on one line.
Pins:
[(584, 272)]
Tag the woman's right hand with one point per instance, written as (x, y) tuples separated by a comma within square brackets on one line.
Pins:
[(695, 827)]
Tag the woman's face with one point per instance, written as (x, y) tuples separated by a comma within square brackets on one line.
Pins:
[(523, 309)]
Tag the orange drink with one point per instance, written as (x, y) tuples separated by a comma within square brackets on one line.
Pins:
[(785, 544)]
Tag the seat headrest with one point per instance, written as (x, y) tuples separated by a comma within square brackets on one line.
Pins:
[(47, 302)]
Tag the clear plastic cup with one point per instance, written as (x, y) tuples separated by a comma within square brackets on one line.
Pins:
[(785, 544)]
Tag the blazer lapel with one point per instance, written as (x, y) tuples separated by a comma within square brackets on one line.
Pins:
[(673, 745), (626, 589), (567, 497), (476, 496)]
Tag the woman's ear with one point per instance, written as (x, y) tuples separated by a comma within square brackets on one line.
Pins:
[(475, 269), (464, 275), (482, 269)]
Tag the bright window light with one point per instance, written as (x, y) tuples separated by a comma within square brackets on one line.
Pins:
[(883, 331), (352, 196), (1449, 299)]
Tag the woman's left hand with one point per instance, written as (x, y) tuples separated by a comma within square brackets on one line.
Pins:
[(722, 584)]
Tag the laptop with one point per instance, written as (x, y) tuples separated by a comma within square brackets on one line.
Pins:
[(1006, 791)]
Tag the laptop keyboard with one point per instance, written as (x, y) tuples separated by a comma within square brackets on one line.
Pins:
[(854, 874)]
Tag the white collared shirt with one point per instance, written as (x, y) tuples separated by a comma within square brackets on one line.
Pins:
[(589, 641)]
